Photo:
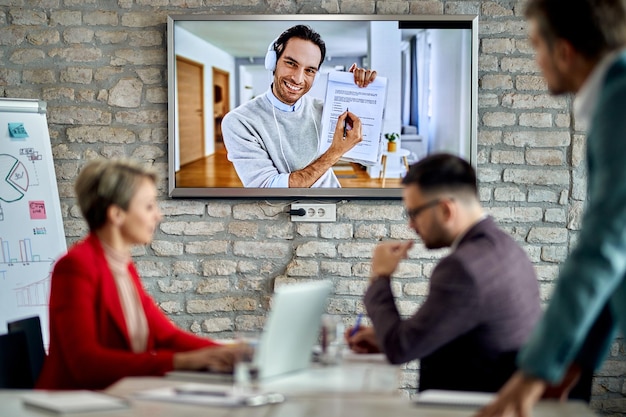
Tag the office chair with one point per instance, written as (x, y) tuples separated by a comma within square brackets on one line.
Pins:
[(15, 369), (31, 328)]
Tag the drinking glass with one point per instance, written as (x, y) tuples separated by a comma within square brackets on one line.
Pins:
[(331, 339), (246, 370)]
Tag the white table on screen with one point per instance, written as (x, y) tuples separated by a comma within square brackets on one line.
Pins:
[(399, 153)]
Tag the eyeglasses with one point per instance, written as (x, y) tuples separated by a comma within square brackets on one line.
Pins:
[(413, 213)]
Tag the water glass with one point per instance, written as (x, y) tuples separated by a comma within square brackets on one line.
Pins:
[(331, 339), (246, 370)]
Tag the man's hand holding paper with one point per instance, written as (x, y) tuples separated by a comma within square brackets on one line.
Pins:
[(365, 94), (362, 77)]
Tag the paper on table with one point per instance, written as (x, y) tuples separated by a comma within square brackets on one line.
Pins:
[(350, 356), (201, 376), (73, 401), (366, 103), (207, 394), (459, 398)]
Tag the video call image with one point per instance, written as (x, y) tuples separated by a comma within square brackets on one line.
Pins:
[(421, 100)]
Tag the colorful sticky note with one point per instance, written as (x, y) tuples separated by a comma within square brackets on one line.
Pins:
[(17, 130), (37, 209)]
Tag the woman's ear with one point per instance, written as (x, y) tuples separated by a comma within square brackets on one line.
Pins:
[(115, 215)]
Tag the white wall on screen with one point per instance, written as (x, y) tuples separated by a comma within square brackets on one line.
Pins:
[(450, 95), (257, 77), (246, 90), (191, 47), (385, 53), (385, 56), (466, 96)]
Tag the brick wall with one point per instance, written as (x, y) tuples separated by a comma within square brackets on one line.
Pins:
[(101, 67)]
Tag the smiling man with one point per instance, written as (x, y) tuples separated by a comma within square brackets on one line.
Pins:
[(273, 139)]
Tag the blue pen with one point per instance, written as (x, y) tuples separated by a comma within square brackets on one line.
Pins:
[(357, 324)]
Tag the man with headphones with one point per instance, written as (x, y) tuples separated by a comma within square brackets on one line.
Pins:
[(273, 139)]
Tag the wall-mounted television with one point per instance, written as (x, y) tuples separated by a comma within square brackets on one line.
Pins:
[(217, 63)]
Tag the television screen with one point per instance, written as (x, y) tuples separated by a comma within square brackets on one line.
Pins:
[(232, 129)]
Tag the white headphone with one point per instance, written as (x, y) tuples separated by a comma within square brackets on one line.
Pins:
[(270, 57)]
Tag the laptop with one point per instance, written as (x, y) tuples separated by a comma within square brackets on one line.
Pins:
[(292, 328), (290, 332)]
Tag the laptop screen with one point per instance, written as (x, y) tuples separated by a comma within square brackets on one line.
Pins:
[(292, 327)]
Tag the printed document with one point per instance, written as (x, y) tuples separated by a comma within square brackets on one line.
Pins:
[(366, 103), (211, 395), (458, 398), (63, 402)]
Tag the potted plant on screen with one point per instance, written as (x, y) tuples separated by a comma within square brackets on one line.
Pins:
[(391, 141)]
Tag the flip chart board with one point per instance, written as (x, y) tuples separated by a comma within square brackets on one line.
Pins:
[(31, 224)]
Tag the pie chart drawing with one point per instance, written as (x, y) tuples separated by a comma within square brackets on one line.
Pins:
[(13, 178)]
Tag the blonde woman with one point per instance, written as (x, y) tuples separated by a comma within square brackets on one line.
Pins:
[(103, 325)]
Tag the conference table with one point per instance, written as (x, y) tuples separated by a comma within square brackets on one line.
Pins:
[(347, 390)]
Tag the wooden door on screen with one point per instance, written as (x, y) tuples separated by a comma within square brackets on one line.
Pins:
[(189, 78), (221, 102)]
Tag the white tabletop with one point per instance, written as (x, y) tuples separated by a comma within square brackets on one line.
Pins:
[(322, 405), (398, 152), (341, 391)]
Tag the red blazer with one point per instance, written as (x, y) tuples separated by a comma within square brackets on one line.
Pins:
[(89, 344)]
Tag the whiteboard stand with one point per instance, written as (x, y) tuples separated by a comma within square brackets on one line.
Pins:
[(31, 224)]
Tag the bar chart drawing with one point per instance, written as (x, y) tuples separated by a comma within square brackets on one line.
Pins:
[(25, 254)]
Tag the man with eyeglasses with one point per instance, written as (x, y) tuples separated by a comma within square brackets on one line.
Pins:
[(483, 299)]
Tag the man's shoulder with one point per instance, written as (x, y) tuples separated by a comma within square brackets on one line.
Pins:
[(486, 229), (487, 240), (615, 79), (490, 227), (618, 67), (247, 109)]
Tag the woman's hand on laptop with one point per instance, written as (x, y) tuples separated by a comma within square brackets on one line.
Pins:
[(363, 340), (215, 358)]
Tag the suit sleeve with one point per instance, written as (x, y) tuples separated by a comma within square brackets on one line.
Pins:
[(598, 341), (450, 310), (593, 274)]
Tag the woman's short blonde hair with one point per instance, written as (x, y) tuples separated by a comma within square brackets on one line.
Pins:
[(103, 183)]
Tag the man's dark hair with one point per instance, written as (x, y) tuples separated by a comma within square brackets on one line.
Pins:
[(593, 27), (442, 172), (301, 32)]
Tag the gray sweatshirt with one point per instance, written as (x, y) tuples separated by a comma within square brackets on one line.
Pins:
[(266, 144)]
